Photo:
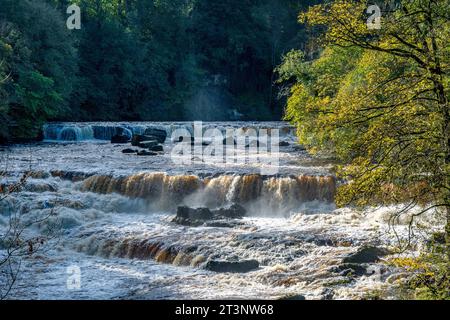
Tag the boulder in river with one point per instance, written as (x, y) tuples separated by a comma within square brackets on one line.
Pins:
[(194, 213), (234, 211), (137, 138), (159, 134), (146, 153), (232, 266), (128, 150), (366, 254), (294, 297), (283, 144), (299, 147), (120, 139), (148, 144), (198, 216), (350, 269), (157, 148)]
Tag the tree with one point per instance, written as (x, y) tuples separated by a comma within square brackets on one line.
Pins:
[(41, 63), (378, 100), (18, 237)]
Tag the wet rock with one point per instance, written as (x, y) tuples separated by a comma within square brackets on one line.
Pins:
[(194, 213), (366, 254), (299, 147), (157, 148), (350, 269), (73, 204), (436, 238), (234, 211), (327, 294), (148, 144), (120, 139), (398, 277), (137, 138), (192, 141), (223, 224), (40, 174), (146, 153), (73, 176), (294, 297), (128, 150), (40, 187), (214, 218), (232, 266), (283, 144), (159, 134)]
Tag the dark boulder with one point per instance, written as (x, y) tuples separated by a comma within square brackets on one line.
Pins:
[(191, 141), (120, 139), (40, 187), (294, 297), (283, 144), (146, 153), (366, 254), (234, 211), (137, 138), (299, 147), (157, 148), (128, 150), (194, 213), (148, 144), (327, 294), (192, 217), (232, 266), (350, 269), (214, 218), (159, 134), (223, 224)]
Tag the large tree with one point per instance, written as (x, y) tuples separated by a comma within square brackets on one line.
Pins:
[(39, 59), (378, 100)]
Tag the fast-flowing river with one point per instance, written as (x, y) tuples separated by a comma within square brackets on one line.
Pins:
[(115, 214)]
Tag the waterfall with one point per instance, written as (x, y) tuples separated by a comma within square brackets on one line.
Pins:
[(254, 191), (106, 130)]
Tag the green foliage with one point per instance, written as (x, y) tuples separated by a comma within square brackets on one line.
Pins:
[(144, 60), (378, 102), (40, 63), (430, 274), (37, 101)]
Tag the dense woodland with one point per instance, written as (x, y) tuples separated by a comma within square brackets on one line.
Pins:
[(143, 60)]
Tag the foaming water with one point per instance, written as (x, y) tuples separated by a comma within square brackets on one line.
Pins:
[(73, 131), (116, 211), (259, 193)]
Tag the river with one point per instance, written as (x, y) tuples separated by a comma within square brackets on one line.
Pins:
[(115, 212)]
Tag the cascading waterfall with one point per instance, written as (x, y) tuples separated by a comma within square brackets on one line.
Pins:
[(105, 130), (253, 190), (69, 132)]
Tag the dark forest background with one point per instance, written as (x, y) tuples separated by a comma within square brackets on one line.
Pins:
[(157, 60)]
